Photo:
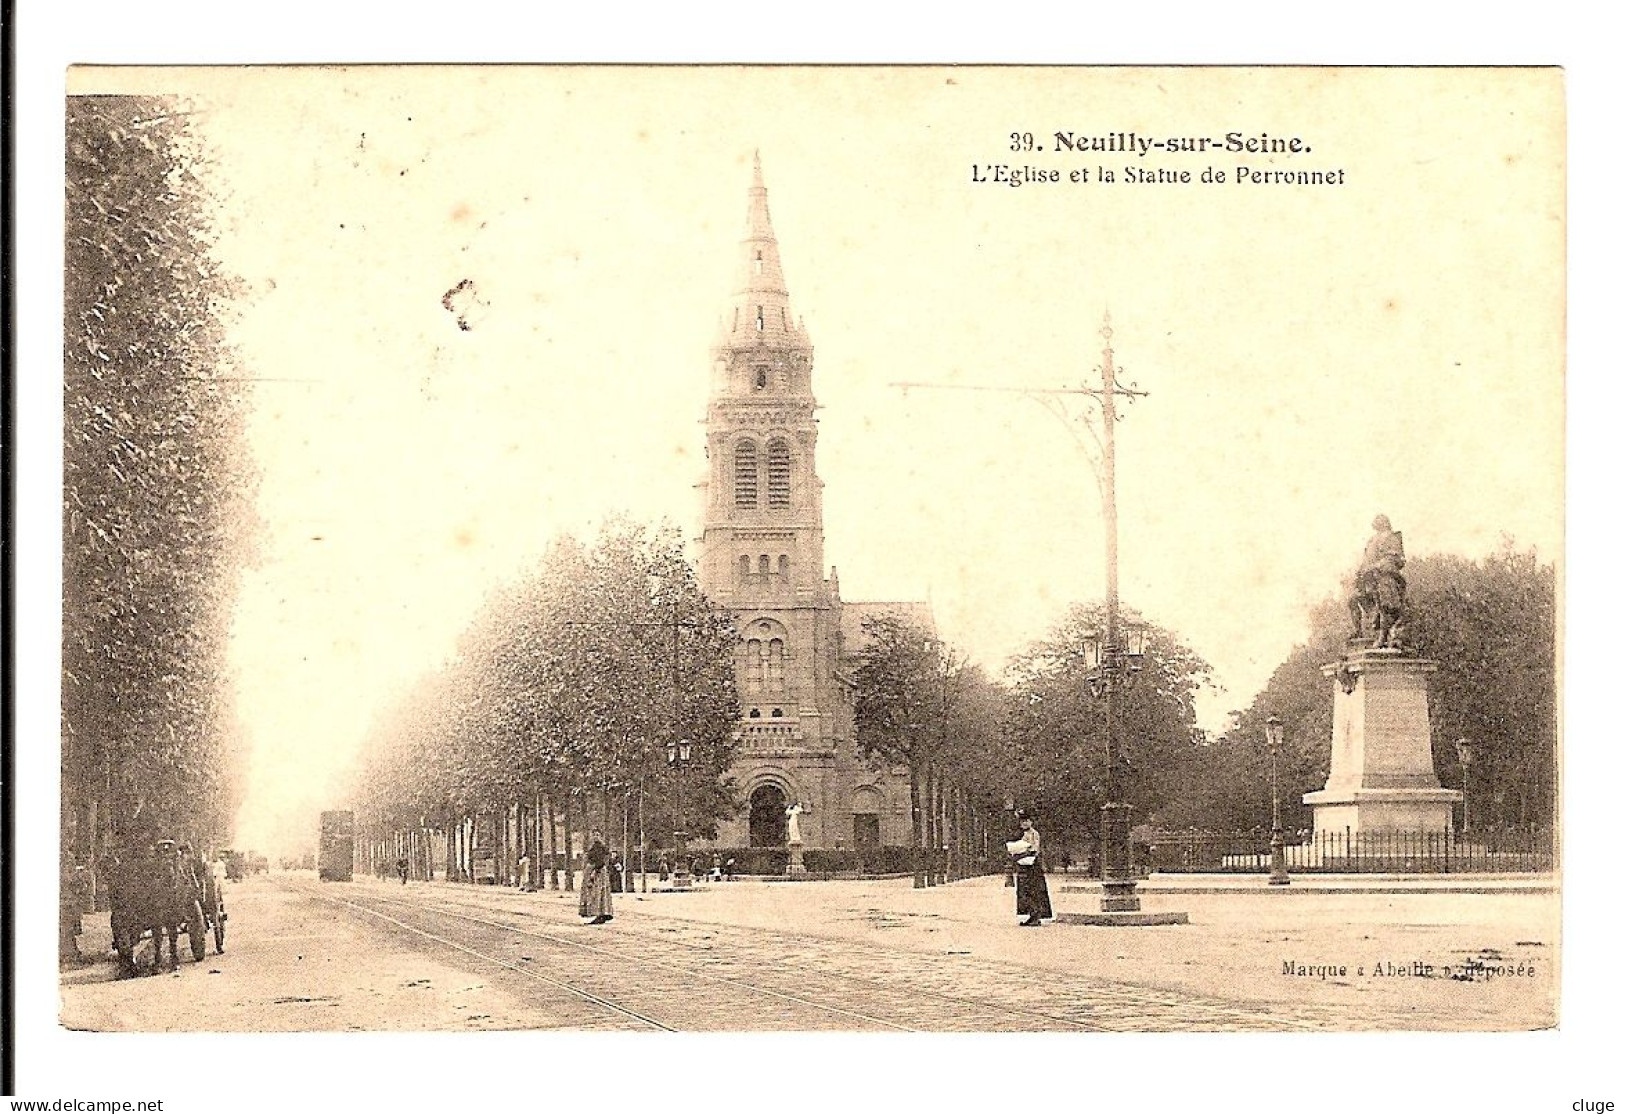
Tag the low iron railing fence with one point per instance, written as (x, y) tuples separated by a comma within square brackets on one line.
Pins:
[(1502, 850)]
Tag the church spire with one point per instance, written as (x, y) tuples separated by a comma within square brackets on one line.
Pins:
[(760, 313)]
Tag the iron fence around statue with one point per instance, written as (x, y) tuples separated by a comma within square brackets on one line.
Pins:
[(1490, 851)]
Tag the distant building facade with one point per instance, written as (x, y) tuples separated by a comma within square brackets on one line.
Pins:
[(762, 556)]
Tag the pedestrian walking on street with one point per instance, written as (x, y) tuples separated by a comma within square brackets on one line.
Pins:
[(400, 868), (595, 903), (1032, 891)]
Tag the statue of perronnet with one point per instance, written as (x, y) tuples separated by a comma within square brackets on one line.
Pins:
[(1377, 606)]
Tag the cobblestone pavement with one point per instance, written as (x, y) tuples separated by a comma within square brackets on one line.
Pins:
[(820, 956), (681, 974), (1234, 949)]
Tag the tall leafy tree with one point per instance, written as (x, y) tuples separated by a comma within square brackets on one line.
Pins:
[(156, 489), (1491, 624), (978, 760), (567, 686), (979, 752), (900, 707), (1058, 727)]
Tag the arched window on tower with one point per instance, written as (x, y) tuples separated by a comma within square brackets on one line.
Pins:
[(762, 566), (784, 566), (778, 473), (758, 264), (761, 320), (745, 474), (761, 378), (754, 666), (775, 665), (744, 568)]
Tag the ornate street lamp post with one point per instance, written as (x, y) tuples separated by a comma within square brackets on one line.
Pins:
[(678, 753), (1117, 882), (1113, 662), (1272, 737), (1117, 661), (1464, 753)]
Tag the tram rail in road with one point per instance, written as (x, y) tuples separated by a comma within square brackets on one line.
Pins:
[(484, 957), (612, 978), (663, 982)]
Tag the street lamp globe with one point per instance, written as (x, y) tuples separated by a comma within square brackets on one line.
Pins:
[(1091, 649), (1274, 731), (677, 755), (1134, 640)]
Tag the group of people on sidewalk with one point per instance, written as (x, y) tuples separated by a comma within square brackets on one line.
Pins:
[(1026, 852)]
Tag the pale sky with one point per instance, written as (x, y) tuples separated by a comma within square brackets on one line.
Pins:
[(1314, 355)]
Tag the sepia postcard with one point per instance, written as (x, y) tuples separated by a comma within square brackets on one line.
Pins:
[(776, 549)]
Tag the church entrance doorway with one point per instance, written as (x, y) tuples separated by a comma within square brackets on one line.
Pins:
[(867, 803), (767, 824)]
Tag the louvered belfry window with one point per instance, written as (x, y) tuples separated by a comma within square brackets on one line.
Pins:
[(778, 474), (745, 474)]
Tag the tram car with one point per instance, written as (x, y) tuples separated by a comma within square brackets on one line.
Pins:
[(336, 856)]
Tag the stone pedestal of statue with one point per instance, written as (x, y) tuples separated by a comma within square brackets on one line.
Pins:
[(796, 865), (1382, 777)]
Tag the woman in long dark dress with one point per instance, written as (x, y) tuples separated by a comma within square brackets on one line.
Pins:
[(595, 882), (1032, 891)]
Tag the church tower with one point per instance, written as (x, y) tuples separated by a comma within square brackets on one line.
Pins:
[(762, 549)]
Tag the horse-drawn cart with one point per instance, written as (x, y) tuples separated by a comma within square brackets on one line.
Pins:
[(158, 892)]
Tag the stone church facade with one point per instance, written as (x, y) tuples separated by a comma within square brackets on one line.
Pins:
[(761, 554)]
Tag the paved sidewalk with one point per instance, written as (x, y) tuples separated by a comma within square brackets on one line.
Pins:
[(1370, 958), (1327, 883)]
